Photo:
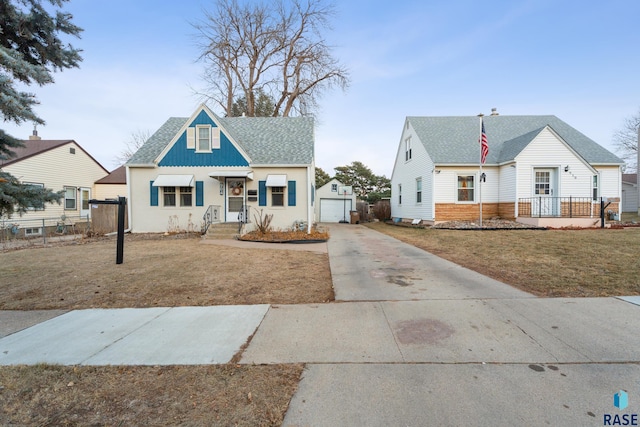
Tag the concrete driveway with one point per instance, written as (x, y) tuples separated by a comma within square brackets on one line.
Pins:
[(371, 266), (415, 340)]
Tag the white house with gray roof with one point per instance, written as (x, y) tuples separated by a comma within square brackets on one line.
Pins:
[(539, 170), (207, 168)]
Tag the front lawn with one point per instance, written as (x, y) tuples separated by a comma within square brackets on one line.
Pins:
[(552, 263)]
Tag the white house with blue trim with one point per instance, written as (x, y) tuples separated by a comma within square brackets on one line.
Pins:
[(208, 168)]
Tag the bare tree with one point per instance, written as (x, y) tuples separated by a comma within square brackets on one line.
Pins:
[(626, 141), (136, 140), (276, 48)]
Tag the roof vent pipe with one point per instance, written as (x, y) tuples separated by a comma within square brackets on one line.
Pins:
[(494, 112)]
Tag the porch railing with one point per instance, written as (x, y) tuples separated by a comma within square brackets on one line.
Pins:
[(559, 207), (211, 216)]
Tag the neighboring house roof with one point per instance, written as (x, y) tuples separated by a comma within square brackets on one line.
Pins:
[(116, 176), (34, 147), (630, 178), (454, 140), (266, 140)]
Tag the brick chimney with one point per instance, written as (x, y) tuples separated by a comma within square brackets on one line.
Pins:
[(34, 136)]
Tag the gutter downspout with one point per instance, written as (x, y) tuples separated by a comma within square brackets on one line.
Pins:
[(309, 207), (129, 217)]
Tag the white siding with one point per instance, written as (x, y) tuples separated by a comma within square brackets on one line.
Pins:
[(446, 183), (610, 181), (147, 218), (508, 183), (57, 168), (405, 173), (325, 192), (547, 151)]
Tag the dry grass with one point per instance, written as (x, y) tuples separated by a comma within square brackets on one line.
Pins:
[(164, 272), (157, 271), (554, 263), (224, 395)]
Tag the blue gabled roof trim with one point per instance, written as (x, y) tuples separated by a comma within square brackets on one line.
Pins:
[(226, 155), (203, 119)]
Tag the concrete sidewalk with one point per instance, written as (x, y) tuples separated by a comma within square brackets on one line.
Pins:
[(128, 336)]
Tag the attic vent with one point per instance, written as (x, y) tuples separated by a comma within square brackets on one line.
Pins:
[(72, 150), (494, 112)]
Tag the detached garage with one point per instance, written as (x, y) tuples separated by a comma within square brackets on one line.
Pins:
[(333, 210), (333, 206)]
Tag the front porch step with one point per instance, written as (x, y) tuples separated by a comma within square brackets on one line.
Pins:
[(222, 230)]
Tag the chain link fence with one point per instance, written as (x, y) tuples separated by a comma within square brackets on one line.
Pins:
[(20, 232)]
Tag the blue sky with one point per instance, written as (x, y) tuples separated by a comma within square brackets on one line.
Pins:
[(577, 60)]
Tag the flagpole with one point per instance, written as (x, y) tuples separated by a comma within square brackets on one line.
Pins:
[(480, 177)]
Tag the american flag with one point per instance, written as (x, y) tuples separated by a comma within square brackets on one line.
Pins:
[(484, 146)]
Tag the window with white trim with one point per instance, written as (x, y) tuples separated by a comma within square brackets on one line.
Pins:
[(203, 139), (418, 190), (407, 149), (186, 196), (277, 196), (70, 196), (334, 188), (466, 188), (33, 231), (171, 196), (595, 187)]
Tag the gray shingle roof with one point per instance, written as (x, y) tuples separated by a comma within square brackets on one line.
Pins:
[(273, 140), (267, 140), (158, 141), (454, 140)]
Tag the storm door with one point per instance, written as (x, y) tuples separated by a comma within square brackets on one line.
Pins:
[(545, 200), (235, 198)]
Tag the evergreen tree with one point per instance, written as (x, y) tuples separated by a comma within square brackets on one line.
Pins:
[(264, 106), (30, 51), (367, 185), (321, 177)]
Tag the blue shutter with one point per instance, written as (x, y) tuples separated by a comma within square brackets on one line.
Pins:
[(291, 189), (154, 194), (262, 193), (199, 193)]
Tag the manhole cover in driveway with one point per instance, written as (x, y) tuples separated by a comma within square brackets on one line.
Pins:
[(422, 331)]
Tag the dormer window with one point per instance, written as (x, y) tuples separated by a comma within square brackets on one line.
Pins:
[(203, 134), (407, 149), (206, 138)]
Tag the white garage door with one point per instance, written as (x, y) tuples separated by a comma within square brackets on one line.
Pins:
[(334, 210)]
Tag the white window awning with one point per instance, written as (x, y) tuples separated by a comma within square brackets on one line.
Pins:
[(230, 173), (276, 180), (173, 181)]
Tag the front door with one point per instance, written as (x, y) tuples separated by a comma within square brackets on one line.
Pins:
[(545, 200), (235, 198), (85, 196)]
